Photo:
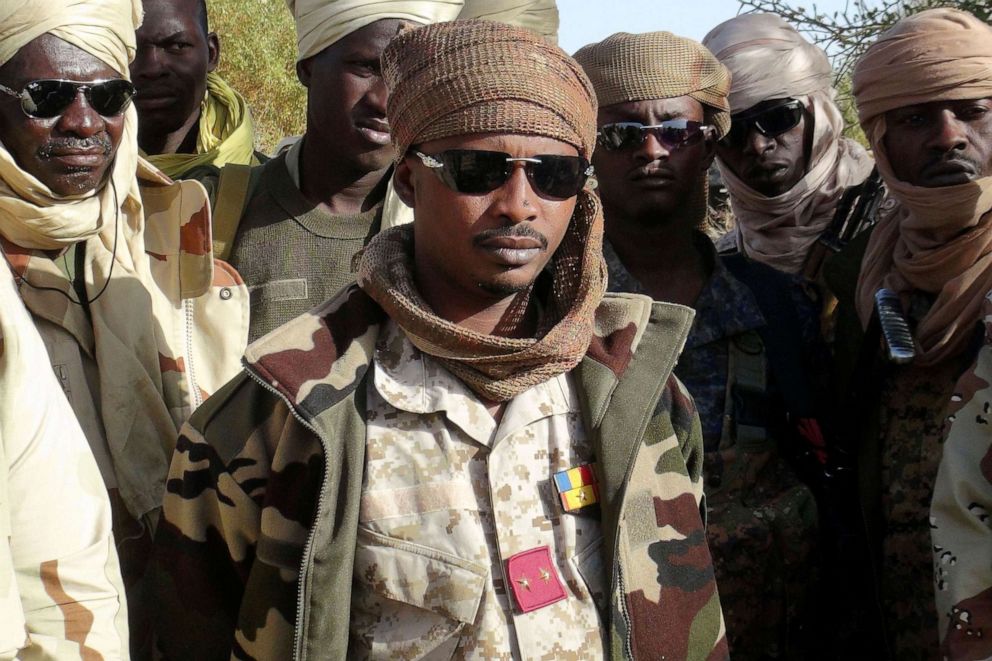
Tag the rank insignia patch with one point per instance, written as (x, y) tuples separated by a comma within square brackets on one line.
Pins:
[(577, 487), (534, 579)]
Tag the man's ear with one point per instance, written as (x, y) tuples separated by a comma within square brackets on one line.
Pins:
[(213, 51), (709, 153), (303, 71), (403, 183)]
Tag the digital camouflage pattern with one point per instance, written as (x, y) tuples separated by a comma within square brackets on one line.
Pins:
[(449, 496), (261, 516), (959, 516), (761, 519), (910, 432), (200, 344)]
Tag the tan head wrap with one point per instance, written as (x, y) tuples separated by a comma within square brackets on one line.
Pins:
[(769, 59), (657, 65), (480, 77), (938, 240), (660, 65), (540, 16), (110, 224), (321, 23), (470, 77)]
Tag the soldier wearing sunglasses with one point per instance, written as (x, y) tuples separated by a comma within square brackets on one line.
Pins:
[(751, 356), (785, 161), (474, 452), (110, 258)]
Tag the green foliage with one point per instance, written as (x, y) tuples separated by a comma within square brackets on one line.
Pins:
[(258, 58)]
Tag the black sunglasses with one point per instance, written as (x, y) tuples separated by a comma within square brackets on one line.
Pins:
[(474, 171), (769, 122), (672, 134), (44, 99)]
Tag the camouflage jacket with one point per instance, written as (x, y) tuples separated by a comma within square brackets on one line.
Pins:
[(257, 544), (61, 595), (202, 339), (959, 515)]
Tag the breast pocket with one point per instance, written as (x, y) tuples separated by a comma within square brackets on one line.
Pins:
[(410, 601), (588, 563)]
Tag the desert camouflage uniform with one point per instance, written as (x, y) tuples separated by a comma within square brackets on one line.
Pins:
[(959, 516), (762, 520), (61, 595), (897, 433), (199, 350), (262, 513), (442, 474)]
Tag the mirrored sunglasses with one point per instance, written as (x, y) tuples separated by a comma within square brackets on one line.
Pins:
[(44, 99), (475, 171), (672, 134), (769, 122)]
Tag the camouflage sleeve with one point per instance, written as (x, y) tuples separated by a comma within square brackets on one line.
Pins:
[(667, 606), (689, 431), (209, 537), (960, 518), (61, 594)]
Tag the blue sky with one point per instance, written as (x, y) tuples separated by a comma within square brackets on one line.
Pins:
[(586, 21)]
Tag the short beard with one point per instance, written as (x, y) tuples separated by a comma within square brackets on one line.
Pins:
[(503, 290)]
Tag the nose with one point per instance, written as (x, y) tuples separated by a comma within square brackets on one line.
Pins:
[(757, 142), (80, 118), (651, 150), (377, 95), (949, 133), (514, 201)]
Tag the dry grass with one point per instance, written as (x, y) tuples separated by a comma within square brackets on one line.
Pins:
[(258, 58)]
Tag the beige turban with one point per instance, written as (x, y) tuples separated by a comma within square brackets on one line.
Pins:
[(769, 59), (540, 16), (103, 28), (938, 240), (479, 76), (321, 23), (657, 65)]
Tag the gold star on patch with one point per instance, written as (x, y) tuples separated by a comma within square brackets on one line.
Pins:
[(545, 575), (524, 582)]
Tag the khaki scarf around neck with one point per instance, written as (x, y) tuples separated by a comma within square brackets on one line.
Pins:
[(498, 368), (938, 240), (109, 223), (779, 231)]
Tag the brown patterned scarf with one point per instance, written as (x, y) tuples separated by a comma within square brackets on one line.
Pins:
[(499, 368)]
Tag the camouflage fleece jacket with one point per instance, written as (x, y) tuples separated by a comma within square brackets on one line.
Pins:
[(960, 523), (257, 543)]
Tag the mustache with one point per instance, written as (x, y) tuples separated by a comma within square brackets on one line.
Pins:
[(55, 145), (943, 159), (519, 231)]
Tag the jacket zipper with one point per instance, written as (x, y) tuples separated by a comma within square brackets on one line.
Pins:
[(618, 566), (308, 547), (194, 390)]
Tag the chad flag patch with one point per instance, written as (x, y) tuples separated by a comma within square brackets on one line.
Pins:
[(577, 487)]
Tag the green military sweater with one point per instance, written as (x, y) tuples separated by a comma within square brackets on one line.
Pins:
[(291, 254)]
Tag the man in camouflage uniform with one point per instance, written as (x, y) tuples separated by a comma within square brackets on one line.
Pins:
[(959, 514), (61, 595), (111, 257), (746, 361), (924, 96), (473, 453)]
